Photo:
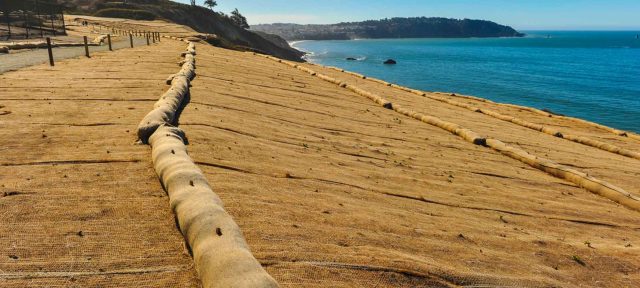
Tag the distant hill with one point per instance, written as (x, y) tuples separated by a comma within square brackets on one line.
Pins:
[(198, 18), (418, 27)]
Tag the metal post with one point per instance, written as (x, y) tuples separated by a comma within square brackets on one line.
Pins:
[(50, 52), (109, 39), (86, 47), (131, 39)]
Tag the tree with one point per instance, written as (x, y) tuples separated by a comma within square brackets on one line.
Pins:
[(239, 20), (193, 2), (210, 3)]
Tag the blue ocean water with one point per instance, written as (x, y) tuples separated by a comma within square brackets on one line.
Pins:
[(594, 75)]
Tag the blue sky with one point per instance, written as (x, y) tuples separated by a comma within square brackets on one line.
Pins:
[(520, 14)]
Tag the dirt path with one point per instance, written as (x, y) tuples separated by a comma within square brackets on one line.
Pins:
[(25, 58)]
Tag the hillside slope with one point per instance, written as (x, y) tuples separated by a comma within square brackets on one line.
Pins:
[(329, 188), (198, 18)]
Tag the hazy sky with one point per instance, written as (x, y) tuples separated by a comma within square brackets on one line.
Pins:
[(520, 14)]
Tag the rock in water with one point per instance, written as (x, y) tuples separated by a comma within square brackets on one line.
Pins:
[(351, 59), (390, 62)]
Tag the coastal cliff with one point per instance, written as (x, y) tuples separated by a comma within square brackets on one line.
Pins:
[(200, 19), (417, 27)]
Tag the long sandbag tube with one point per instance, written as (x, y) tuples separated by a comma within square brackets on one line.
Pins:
[(581, 179), (100, 39), (618, 132), (538, 127), (166, 108), (221, 254)]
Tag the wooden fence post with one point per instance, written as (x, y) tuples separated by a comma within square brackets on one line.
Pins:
[(109, 40), (86, 47), (131, 39), (50, 52)]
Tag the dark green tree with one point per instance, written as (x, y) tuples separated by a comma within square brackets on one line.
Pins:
[(210, 3), (239, 20)]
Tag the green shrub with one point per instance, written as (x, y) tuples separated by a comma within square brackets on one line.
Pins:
[(126, 13)]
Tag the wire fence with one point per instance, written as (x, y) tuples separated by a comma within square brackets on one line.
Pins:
[(24, 19)]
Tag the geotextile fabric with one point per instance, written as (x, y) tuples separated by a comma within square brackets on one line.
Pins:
[(581, 179)]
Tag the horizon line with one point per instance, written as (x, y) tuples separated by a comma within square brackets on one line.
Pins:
[(554, 28)]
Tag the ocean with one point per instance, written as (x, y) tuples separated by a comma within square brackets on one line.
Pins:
[(594, 75)]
